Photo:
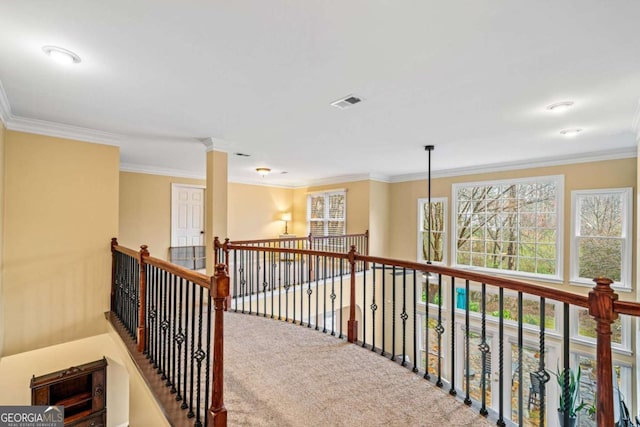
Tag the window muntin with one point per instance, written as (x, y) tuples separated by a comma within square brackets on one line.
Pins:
[(601, 237), (438, 230), (327, 213), (511, 226), (584, 329)]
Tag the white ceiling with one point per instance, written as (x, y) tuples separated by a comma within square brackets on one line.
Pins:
[(471, 77)]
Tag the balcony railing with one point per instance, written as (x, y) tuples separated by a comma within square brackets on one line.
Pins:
[(493, 342), (165, 311)]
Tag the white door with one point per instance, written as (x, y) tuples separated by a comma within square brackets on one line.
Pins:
[(187, 215)]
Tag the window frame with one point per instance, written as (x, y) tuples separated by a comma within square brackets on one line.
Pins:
[(623, 347), (627, 237), (558, 277), (445, 241), (326, 219)]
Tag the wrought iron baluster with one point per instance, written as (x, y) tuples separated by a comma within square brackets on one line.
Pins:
[(188, 337), (404, 316), (164, 324), (207, 365), (520, 348), (373, 307), (427, 276), (452, 389), (324, 297), (467, 325), (439, 331), (566, 392), (200, 355), (364, 311), (341, 294), (333, 297), (179, 338), (484, 349), (172, 361), (265, 284), (542, 373), (236, 275), (415, 317), (501, 421), (384, 309), (393, 314), (190, 414)]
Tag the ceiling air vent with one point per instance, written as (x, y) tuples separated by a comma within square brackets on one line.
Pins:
[(346, 102)]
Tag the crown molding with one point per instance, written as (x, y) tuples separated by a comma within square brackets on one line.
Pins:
[(5, 107), (153, 170), (597, 156), (43, 127), (215, 144)]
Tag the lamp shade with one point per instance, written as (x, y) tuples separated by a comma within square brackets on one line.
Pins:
[(286, 216)]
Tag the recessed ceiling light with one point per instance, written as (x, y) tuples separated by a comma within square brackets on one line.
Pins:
[(570, 132), (61, 55), (560, 107)]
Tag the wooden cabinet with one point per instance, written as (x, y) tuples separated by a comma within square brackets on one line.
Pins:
[(82, 390)]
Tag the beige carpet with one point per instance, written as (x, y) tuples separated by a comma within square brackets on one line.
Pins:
[(279, 374)]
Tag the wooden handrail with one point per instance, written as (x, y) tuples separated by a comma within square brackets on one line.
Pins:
[(305, 238), (193, 276), (126, 251)]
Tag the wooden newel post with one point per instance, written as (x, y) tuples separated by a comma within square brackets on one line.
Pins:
[(144, 252), (601, 300), (352, 324), (114, 243), (217, 413)]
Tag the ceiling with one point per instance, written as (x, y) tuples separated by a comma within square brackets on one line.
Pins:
[(258, 76)]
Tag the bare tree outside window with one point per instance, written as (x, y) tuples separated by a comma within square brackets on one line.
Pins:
[(438, 231), (508, 225), (602, 245)]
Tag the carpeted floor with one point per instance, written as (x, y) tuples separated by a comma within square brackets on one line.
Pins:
[(279, 374)]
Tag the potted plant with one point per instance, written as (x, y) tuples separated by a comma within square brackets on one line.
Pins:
[(574, 404)]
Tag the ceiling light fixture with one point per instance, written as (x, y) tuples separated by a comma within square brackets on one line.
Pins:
[(560, 107), (569, 133), (61, 55), (263, 171)]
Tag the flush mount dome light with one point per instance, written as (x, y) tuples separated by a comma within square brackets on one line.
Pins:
[(569, 133), (263, 171), (61, 55), (560, 107)]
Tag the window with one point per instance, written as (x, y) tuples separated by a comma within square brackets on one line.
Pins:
[(326, 213), (584, 329), (438, 230), (601, 244), (512, 226)]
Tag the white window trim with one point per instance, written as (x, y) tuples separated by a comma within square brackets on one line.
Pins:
[(627, 230), (424, 201), (325, 220), (625, 321), (559, 180)]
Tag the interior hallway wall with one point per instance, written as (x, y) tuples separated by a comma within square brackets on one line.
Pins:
[(145, 211), (61, 209)]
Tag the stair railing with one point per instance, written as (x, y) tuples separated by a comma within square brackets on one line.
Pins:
[(167, 311)]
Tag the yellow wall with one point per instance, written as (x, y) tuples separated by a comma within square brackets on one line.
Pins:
[(379, 216), (580, 176), (2, 131), (255, 211), (145, 211), (61, 207)]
